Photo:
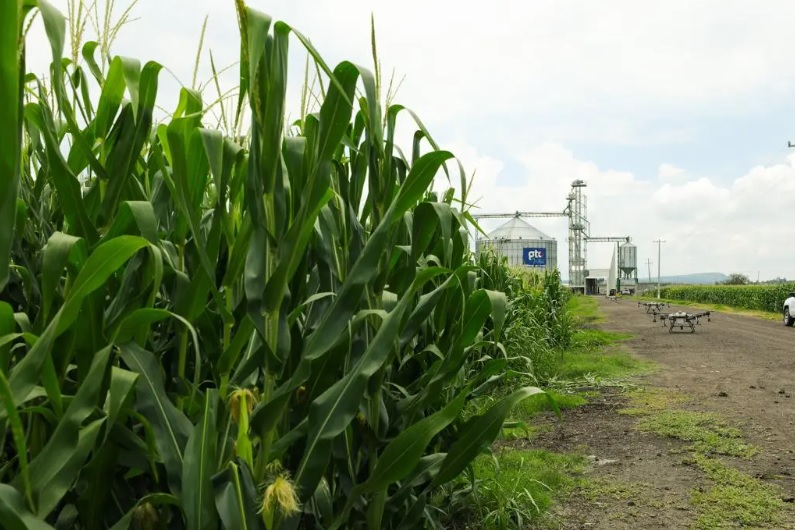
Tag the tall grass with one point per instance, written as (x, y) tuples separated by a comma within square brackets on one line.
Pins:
[(202, 331)]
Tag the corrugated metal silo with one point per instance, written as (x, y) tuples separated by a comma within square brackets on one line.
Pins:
[(628, 259), (523, 245)]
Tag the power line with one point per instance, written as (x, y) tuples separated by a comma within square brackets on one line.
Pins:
[(659, 255)]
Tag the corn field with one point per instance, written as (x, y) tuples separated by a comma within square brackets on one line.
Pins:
[(207, 331), (756, 297)]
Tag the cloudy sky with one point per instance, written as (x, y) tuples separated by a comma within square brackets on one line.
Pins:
[(677, 114)]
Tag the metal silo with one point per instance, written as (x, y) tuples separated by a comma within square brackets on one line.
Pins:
[(628, 264), (523, 245), (628, 258)]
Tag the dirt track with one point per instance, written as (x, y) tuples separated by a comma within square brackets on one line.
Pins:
[(739, 367)]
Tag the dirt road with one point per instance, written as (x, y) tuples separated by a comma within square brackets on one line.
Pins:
[(739, 368)]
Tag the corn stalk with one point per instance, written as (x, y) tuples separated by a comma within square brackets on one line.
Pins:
[(199, 331)]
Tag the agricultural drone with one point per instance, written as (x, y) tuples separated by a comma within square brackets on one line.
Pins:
[(682, 320), (653, 307)]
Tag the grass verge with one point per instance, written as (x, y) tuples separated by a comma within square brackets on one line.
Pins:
[(516, 486), (519, 486), (585, 309)]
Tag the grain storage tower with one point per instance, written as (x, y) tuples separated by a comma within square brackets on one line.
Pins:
[(628, 265), (523, 245)]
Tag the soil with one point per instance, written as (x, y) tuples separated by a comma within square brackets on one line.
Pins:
[(739, 367)]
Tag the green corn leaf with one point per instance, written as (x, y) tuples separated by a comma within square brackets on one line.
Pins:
[(13, 513), (230, 356), (55, 27), (56, 467), (375, 511), (122, 383), (99, 266), (199, 466), (236, 498), (110, 98), (424, 228), (334, 117), (401, 456), (238, 254), (335, 114), (334, 409), (12, 71), (427, 303), (133, 134), (49, 379), (55, 256), (171, 427), (479, 432), (499, 308), (342, 308), (66, 182), (18, 436), (271, 92), (257, 26), (88, 56), (7, 336), (413, 518), (140, 320), (190, 178), (154, 499), (132, 77), (134, 218)]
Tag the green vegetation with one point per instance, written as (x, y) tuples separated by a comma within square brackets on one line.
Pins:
[(585, 309), (534, 405), (649, 400), (593, 359), (768, 298), (516, 487), (538, 323), (735, 499), (709, 433), (204, 329), (604, 488)]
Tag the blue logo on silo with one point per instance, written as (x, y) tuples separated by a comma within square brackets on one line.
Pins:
[(535, 257)]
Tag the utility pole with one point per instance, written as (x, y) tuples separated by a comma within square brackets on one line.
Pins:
[(659, 255), (648, 264)]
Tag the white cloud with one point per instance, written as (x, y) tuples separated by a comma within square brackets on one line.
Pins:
[(535, 78), (671, 174), (609, 65)]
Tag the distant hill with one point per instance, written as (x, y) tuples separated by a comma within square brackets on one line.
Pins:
[(701, 278)]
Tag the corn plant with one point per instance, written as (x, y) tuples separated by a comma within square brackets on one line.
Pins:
[(757, 297), (199, 331), (538, 326)]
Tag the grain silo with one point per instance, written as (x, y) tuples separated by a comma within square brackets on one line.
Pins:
[(628, 265), (628, 260), (523, 245)]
